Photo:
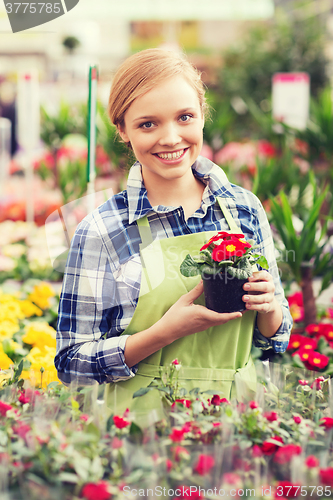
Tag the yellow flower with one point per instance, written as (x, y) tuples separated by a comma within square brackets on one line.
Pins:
[(39, 334), (29, 309), (11, 311), (7, 329), (42, 358), (5, 361), (40, 295)]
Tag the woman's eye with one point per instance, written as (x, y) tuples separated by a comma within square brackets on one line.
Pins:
[(147, 125), (185, 118)]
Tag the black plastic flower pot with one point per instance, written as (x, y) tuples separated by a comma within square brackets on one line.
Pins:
[(223, 293)]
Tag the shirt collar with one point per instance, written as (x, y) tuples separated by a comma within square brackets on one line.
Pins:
[(212, 175)]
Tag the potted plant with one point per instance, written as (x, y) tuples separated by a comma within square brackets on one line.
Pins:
[(225, 263)]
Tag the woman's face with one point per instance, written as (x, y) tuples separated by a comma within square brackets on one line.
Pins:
[(164, 127)]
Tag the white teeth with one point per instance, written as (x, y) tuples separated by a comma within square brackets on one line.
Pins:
[(171, 156)]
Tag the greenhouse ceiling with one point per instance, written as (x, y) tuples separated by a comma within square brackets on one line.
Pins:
[(177, 9)]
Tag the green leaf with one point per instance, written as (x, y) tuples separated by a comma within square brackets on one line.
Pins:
[(262, 262), (142, 391), (189, 267)]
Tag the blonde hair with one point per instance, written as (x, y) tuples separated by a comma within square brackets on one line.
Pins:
[(144, 70)]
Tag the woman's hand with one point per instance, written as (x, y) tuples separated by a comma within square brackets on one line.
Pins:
[(185, 317), (262, 299), (261, 289)]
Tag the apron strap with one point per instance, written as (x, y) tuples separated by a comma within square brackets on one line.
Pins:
[(145, 231), (228, 217)]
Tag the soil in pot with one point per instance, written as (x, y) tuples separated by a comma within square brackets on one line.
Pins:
[(223, 293)]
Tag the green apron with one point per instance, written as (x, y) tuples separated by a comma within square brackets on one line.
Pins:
[(211, 359)]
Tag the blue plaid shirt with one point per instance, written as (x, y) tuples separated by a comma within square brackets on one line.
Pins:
[(103, 272)]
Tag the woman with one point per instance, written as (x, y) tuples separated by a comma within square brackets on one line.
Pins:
[(125, 309)]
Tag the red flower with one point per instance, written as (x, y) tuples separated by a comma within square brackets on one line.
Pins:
[(321, 330), (272, 416), (296, 298), (21, 429), (297, 419), (96, 491), (120, 422), (4, 407), (253, 405), (180, 453), (269, 447), (286, 489), (177, 435), (169, 464), (256, 451), (326, 422), (303, 382), (265, 148), (317, 383), (296, 306), (286, 452), (204, 464), (23, 399), (317, 360), (175, 362), (229, 248), (296, 341), (185, 402), (216, 400), (220, 235), (326, 476), (311, 461)]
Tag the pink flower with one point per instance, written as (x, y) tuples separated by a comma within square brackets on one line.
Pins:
[(272, 416), (96, 491), (177, 435), (326, 422), (311, 461), (270, 446), (231, 478), (4, 407), (204, 464), (253, 405), (23, 399), (84, 417), (175, 362), (317, 383), (285, 453), (326, 476), (303, 382), (185, 402), (120, 422), (116, 443), (297, 419), (256, 451), (169, 464), (180, 453)]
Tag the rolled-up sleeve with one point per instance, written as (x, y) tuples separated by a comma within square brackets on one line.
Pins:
[(89, 347), (279, 341)]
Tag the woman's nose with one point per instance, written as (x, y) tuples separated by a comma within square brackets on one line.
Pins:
[(169, 135)]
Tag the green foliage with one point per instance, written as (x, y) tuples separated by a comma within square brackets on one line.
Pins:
[(306, 247), (54, 127)]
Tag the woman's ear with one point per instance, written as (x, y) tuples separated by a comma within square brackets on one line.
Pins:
[(122, 133)]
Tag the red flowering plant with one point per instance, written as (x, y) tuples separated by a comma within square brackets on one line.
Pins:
[(224, 252)]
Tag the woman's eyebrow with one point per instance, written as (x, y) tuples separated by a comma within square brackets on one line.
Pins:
[(152, 117)]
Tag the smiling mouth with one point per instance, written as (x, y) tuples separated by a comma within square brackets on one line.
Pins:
[(171, 156)]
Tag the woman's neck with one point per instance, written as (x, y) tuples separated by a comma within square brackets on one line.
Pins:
[(177, 192)]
